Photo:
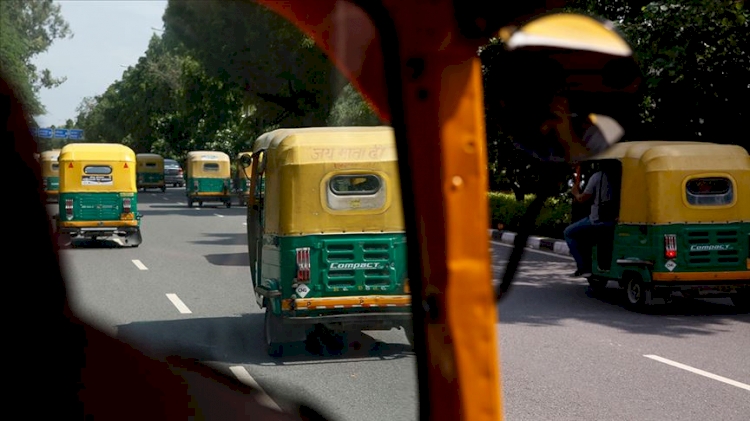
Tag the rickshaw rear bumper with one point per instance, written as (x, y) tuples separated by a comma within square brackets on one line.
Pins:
[(702, 283)]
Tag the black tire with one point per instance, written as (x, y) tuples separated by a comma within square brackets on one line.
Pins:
[(409, 330), (637, 293), (271, 324), (741, 300), (164, 189), (228, 204), (190, 203), (64, 240), (200, 203)]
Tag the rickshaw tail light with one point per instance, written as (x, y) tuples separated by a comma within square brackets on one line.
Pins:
[(303, 264), (670, 246), (126, 208)]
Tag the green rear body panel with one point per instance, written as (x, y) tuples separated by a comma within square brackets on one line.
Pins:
[(198, 185), (53, 184), (150, 178), (341, 265), (96, 206), (700, 248)]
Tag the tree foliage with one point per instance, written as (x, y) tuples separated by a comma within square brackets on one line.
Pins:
[(694, 56), (27, 29)]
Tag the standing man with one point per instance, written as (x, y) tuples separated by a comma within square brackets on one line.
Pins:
[(581, 234)]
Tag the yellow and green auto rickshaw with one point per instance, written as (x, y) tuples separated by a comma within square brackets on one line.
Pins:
[(208, 178), (683, 223), (50, 173), (150, 172), (98, 194), (327, 243), (241, 175)]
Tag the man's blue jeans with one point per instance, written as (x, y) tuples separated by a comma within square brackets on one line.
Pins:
[(581, 236)]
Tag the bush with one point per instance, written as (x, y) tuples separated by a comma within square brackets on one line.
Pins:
[(552, 220)]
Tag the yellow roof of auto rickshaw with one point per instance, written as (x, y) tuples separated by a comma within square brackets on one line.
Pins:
[(96, 152), (326, 138), (50, 155), (657, 148), (149, 155), (203, 155)]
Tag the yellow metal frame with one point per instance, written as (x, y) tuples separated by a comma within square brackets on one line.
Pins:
[(130, 222), (368, 301)]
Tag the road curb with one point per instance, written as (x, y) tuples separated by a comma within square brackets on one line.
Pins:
[(537, 243)]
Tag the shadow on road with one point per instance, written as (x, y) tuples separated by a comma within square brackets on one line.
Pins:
[(223, 239), (228, 259), (543, 294), (239, 340)]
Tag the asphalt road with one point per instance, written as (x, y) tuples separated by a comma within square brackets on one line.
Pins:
[(565, 354)]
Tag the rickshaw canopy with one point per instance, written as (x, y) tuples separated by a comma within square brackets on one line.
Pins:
[(49, 162), (102, 167), (144, 159), (301, 163), (208, 164), (655, 177)]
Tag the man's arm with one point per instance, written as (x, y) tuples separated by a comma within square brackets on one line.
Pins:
[(588, 192)]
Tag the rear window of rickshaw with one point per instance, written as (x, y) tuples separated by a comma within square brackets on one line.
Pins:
[(348, 185), (55, 167), (151, 164), (211, 167), (97, 169), (710, 191)]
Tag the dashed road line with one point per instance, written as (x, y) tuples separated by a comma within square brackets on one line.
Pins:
[(242, 375), (220, 216), (179, 304), (699, 372), (139, 264)]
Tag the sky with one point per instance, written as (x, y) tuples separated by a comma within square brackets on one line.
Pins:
[(108, 36)]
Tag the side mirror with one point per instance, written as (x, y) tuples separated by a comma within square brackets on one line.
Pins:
[(568, 89), (246, 161)]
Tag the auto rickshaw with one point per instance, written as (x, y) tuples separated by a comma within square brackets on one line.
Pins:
[(241, 176), (683, 223), (50, 173), (98, 194), (326, 233), (208, 178), (150, 172)]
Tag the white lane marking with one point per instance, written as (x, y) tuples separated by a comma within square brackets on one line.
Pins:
[(244, 223), (165, 198), (139, 264), (699, 372), (182, 203), (220, 216), (535, 250), (242, 375), (178, 303)]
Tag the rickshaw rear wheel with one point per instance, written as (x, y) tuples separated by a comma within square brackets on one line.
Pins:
[(741, 299), (228, 204), (272, 324), (200, 203), (164, 189), (637, 292), (190, 203)]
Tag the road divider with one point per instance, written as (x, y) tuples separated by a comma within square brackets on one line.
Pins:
[(181, 307)]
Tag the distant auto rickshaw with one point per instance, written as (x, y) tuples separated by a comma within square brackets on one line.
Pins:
[(150, 172), (50, 173), (98, 194), (208, 178), (683, 223), (241, 175), (326, 234)]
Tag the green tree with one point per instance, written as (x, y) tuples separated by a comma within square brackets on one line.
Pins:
[(280, 71), (27, 29)]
